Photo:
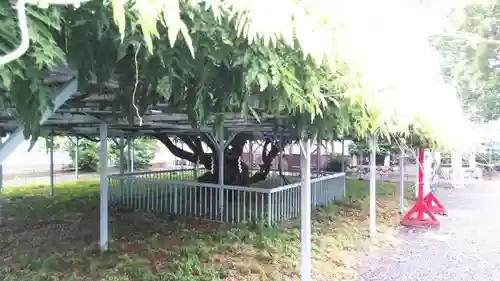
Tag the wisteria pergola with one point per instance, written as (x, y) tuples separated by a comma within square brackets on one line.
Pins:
[(91, 114)]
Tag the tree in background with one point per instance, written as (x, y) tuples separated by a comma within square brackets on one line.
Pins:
[(358, 147), (144, 153), (383, 149), (470, 59), (335, 162), (45, 143), (88, 153)]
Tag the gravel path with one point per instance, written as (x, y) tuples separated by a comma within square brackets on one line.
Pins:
[(465, 247)]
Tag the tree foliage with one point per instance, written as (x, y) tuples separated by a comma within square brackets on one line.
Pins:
[(356, 148), (88, 154), (24, 77), (298, 23), (56, 142), (471, 59), (225, 64), (143, 152), (89, 151), (335, 163), (227, 73)]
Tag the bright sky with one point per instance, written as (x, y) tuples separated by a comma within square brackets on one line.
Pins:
[(388, 41)]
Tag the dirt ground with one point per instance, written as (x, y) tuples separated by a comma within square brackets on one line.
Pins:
[(56, 239), (465, 247)]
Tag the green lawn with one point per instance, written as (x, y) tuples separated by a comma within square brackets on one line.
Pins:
[(56, 238)]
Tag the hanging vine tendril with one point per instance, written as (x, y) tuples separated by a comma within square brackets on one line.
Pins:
[(212, 159), (240, 165), (23, 25), (136, 83), (25, 40)]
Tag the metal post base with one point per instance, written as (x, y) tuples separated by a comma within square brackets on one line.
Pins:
[(434, 205), (420, 216)]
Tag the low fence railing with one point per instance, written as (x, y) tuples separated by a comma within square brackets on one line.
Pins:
[(191, 174), (177, 192)]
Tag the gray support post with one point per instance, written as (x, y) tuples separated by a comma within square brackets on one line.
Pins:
[(490, 164), (250, 155), (416, 172), (122, 155), (402, 180), (122, 160), (361, 168), (103, 171), (196, 166), (342, 167), (77, 150), (280, 155), (131, 154), (280, 164), (220, 158), (305, 209), (51, 159), (318, 154), (1, 173), (373, 186), (1, 188), (342, 164), (183, 165)]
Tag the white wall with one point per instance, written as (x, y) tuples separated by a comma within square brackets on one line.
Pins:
[(22, 160), (38, 159)]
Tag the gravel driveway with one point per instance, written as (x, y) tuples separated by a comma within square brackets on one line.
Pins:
[(465, 247)]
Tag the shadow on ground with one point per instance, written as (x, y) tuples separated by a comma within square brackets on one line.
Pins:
[(56, 238)]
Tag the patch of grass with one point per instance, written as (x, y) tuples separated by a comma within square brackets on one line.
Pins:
[(56, 238), (358, 191), (74, 188)]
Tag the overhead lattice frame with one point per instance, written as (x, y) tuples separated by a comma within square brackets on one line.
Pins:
[(83, 112)]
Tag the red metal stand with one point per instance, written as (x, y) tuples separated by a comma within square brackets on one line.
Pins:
[(420, 214), (434, 205)]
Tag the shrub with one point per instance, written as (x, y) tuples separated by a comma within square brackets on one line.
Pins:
[(335, 163), (144, 152), (88, 153)]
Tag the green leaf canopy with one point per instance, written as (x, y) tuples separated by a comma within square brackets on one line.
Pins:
[(226, 64)]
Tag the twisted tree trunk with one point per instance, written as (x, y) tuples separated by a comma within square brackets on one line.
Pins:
[(233, 175)]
